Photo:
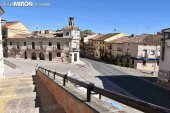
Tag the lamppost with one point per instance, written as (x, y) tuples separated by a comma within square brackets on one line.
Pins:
[(1, 48)]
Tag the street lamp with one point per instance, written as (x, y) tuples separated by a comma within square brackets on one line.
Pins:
[(1, 48)]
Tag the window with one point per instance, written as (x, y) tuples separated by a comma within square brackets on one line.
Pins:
[(167, 35), (133, 61), (152, 52), (119, 49), (11, 43), (33, 45), (158, 62), (58, 46), (58, 54), (96, 54), (67, 33), (144, 62), (17, 45), (49, 44), (67, 55), (25, 43), (67, 44)]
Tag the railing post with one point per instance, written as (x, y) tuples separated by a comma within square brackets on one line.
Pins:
[(54, 75), (48, 72), (89, 89), (64, 80), (45, 71)]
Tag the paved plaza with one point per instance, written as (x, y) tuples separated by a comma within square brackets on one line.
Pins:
[(118, 79)]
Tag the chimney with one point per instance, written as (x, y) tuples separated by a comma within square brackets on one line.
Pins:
[(71, 21)]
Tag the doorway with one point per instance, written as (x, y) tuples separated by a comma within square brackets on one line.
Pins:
[(33, 56), (75, 57), (25, 55), (42, 56), (50, 56)]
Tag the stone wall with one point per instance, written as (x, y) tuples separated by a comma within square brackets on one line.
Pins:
[(70, 103)]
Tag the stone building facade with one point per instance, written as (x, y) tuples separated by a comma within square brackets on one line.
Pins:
[(143, 51), (62, 46)]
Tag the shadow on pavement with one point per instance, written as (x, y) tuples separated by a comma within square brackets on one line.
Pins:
[(141, 89)]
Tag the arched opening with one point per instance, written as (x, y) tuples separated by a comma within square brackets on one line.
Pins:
[(41, 56), (33, 56)]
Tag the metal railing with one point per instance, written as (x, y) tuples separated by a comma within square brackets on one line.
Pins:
[(134, 103)]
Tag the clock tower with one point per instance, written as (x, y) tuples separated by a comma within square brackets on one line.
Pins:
[(73, 32)]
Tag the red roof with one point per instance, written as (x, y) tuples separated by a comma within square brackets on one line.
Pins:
[(8, 24)]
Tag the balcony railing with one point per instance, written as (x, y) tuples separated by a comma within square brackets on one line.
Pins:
[(135, 103)]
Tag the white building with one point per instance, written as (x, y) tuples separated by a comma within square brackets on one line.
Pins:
[(142, 51), (164, 71), (43, 45), (1, 49)]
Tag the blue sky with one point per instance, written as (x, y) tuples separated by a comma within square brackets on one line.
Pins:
[(101, 16)]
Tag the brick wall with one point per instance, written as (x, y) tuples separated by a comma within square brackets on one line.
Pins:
[(70, 103)]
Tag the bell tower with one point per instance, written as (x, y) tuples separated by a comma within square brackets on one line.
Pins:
[(71, 21)]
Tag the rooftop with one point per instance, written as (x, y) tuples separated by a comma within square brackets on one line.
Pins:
[(106, 36), (9, 24), (71, 28), (146, 38)]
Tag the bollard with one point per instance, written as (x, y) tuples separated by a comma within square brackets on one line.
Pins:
[(89, 89), (64, 80), (54, 75)]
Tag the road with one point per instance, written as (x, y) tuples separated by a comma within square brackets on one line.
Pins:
[(131, 85)]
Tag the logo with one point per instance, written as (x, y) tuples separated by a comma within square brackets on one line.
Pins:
[(25, 4)]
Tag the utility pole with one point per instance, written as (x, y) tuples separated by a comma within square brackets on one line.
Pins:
[(1, 48)]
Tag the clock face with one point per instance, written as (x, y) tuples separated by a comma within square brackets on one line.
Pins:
[(166, 35)]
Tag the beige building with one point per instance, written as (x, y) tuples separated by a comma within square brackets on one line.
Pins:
[(43, 45), (88, 46), (164, 71), (101, 44), (142, 51)]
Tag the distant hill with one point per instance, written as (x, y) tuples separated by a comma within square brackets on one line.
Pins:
[(85, 33)]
